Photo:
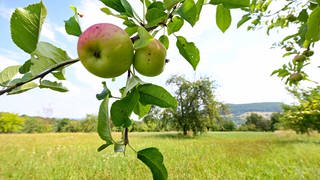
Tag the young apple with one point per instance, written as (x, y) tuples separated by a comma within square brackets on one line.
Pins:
[(150, 60)]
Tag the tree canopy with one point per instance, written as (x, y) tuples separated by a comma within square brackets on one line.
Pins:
[(198, 108), (10, 122)]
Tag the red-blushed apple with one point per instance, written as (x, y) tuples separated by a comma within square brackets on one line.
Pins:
[(150, 60), (105, 50)]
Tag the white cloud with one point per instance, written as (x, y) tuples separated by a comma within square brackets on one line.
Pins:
[(5, 12), (73, 104), (92, 14), (248, 79), (62, 31), (48, 31), (5, 62)]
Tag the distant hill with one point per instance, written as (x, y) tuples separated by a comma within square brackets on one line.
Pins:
[(238, 109)]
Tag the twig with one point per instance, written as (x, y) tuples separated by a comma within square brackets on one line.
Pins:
[(136, 37), (164, 23), (41, 75), (126, 136)]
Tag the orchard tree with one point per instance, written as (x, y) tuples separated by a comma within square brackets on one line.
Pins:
[(197, 108), (89, 124), (160, 119), (36, 125), (61, 124), (305, 116), (10, 122), (258, 122), (275, 120), (138, 50)]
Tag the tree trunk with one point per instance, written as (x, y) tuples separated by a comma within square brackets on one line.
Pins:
[(185, 131)]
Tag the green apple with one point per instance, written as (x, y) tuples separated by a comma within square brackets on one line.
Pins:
[(150, 60), (295, 77), (299, 58), (291, 18), (105, 50), (308, 53)]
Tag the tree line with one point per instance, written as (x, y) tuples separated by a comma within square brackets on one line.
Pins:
[(156, 121), (13, 123), (198, 111)]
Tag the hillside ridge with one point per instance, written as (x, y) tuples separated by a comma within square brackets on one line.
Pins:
[(238, 109)]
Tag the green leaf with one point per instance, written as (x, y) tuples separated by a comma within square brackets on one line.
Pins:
[(127, 7), (25, 25), (25, 67), (53, 85), (313, 25), (105, 92), (114, 4), (144, 38), (199, 6), (156, 95), (155, 16), (158, 5), (23, 88), (103, 128), (40, 64), (48, 50), (189, 12), (164, 40), (131, 30), (106, 11), (275, 72), (59, 74), (26, 77), (303, 16), (231, 3), (244, 19), (46, 56), (153, 158), (122, 109), (141, 110), (223, 18), (145, 2), (72, 26), (175, 24), (189, 51), (132, 82), (129, 23), (103, 146), (253, 5), (168, 4), (8, 74)]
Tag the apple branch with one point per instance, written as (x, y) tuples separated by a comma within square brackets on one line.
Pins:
[(164, 23), (41, 75)]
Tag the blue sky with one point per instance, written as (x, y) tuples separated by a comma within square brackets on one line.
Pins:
[(239, 61)]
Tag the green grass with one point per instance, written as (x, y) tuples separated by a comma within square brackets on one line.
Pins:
[(225, 155)]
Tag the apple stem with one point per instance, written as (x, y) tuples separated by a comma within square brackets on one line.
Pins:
[(126, 130), (129, 74)]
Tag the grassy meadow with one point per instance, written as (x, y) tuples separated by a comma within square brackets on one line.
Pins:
[(219, 155)]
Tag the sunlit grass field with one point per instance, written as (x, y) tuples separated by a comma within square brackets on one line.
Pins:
[(221, 155)]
